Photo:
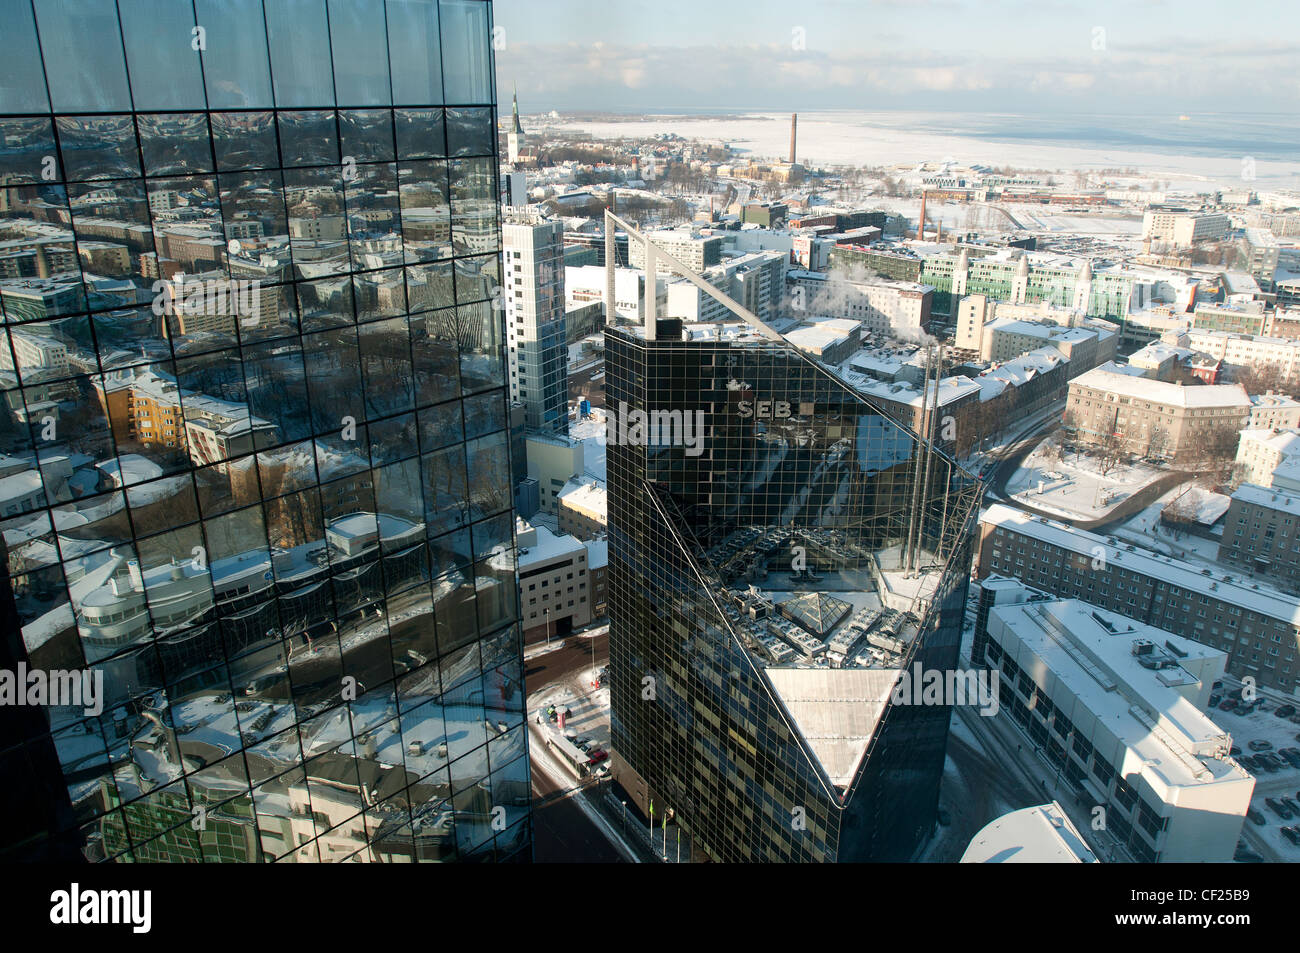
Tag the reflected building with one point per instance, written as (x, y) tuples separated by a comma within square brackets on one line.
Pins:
[(768, 584), (254, 449)]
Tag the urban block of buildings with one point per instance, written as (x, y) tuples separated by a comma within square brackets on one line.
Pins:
[(1255, 624)]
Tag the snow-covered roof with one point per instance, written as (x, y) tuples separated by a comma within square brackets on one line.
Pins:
[(1285, 440), (586, 495), (1259, 597), (1158, 353), (597, 553), (1031, 835), (1273, 400), (1200, 505), (547, 548), (816, 337), (1151, 711), (836, 711), (1050, 332), (1143, 388), (950, 388), (1266, 497)]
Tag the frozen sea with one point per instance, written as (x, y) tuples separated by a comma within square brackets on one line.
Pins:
[(1216, 148)]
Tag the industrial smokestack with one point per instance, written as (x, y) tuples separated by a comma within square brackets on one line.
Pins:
[(794, 127), (920, 226)]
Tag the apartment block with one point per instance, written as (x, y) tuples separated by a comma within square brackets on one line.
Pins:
[(1257, 625), (554, 588), (1261, 535), (889, 308), (1155, 418), (1261, 452), (1183, 228)]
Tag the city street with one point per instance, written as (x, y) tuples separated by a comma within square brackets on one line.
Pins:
[(565, 830)]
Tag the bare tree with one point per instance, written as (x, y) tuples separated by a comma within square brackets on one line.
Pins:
[(1111, 451)]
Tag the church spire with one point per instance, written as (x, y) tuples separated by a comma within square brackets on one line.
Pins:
[(517, 128)]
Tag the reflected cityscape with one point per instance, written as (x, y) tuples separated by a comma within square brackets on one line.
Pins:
[(249, 364)]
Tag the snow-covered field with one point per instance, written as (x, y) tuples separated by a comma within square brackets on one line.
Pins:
[(1073, 485)]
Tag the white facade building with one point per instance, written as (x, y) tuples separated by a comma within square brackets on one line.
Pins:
[(1260, 452), (533, 256), (1119, 707)]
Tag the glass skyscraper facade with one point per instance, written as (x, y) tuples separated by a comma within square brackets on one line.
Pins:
[(770, 579), (255, 473)]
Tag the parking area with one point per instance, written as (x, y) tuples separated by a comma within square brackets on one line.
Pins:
[(1268, 746)]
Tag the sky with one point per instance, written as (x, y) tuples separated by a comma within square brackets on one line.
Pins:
[(1051, 56)]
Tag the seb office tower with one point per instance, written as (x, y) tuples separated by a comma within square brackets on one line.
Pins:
[(768, 587), (255, 494)]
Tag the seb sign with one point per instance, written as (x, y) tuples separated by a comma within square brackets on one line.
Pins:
[(764, 409)]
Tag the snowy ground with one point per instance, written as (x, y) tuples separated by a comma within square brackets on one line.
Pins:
[(1033, 217), (588, 708), (1145, 529), (1073, 486)]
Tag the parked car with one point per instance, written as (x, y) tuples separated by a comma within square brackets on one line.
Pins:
[(1236, 750), (1217, 685), (1215, 699), (1278, 808), (1284, 711), (1292, 834), (1227, 705), (597, 755), (1256, 817), (1244, 855), (1260, 745)]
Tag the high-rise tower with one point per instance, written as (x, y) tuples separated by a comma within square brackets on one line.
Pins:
[(781, 552), (535, 330), (254, 458)]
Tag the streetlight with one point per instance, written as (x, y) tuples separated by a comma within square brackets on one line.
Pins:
[(624, 818), (547, 611)]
